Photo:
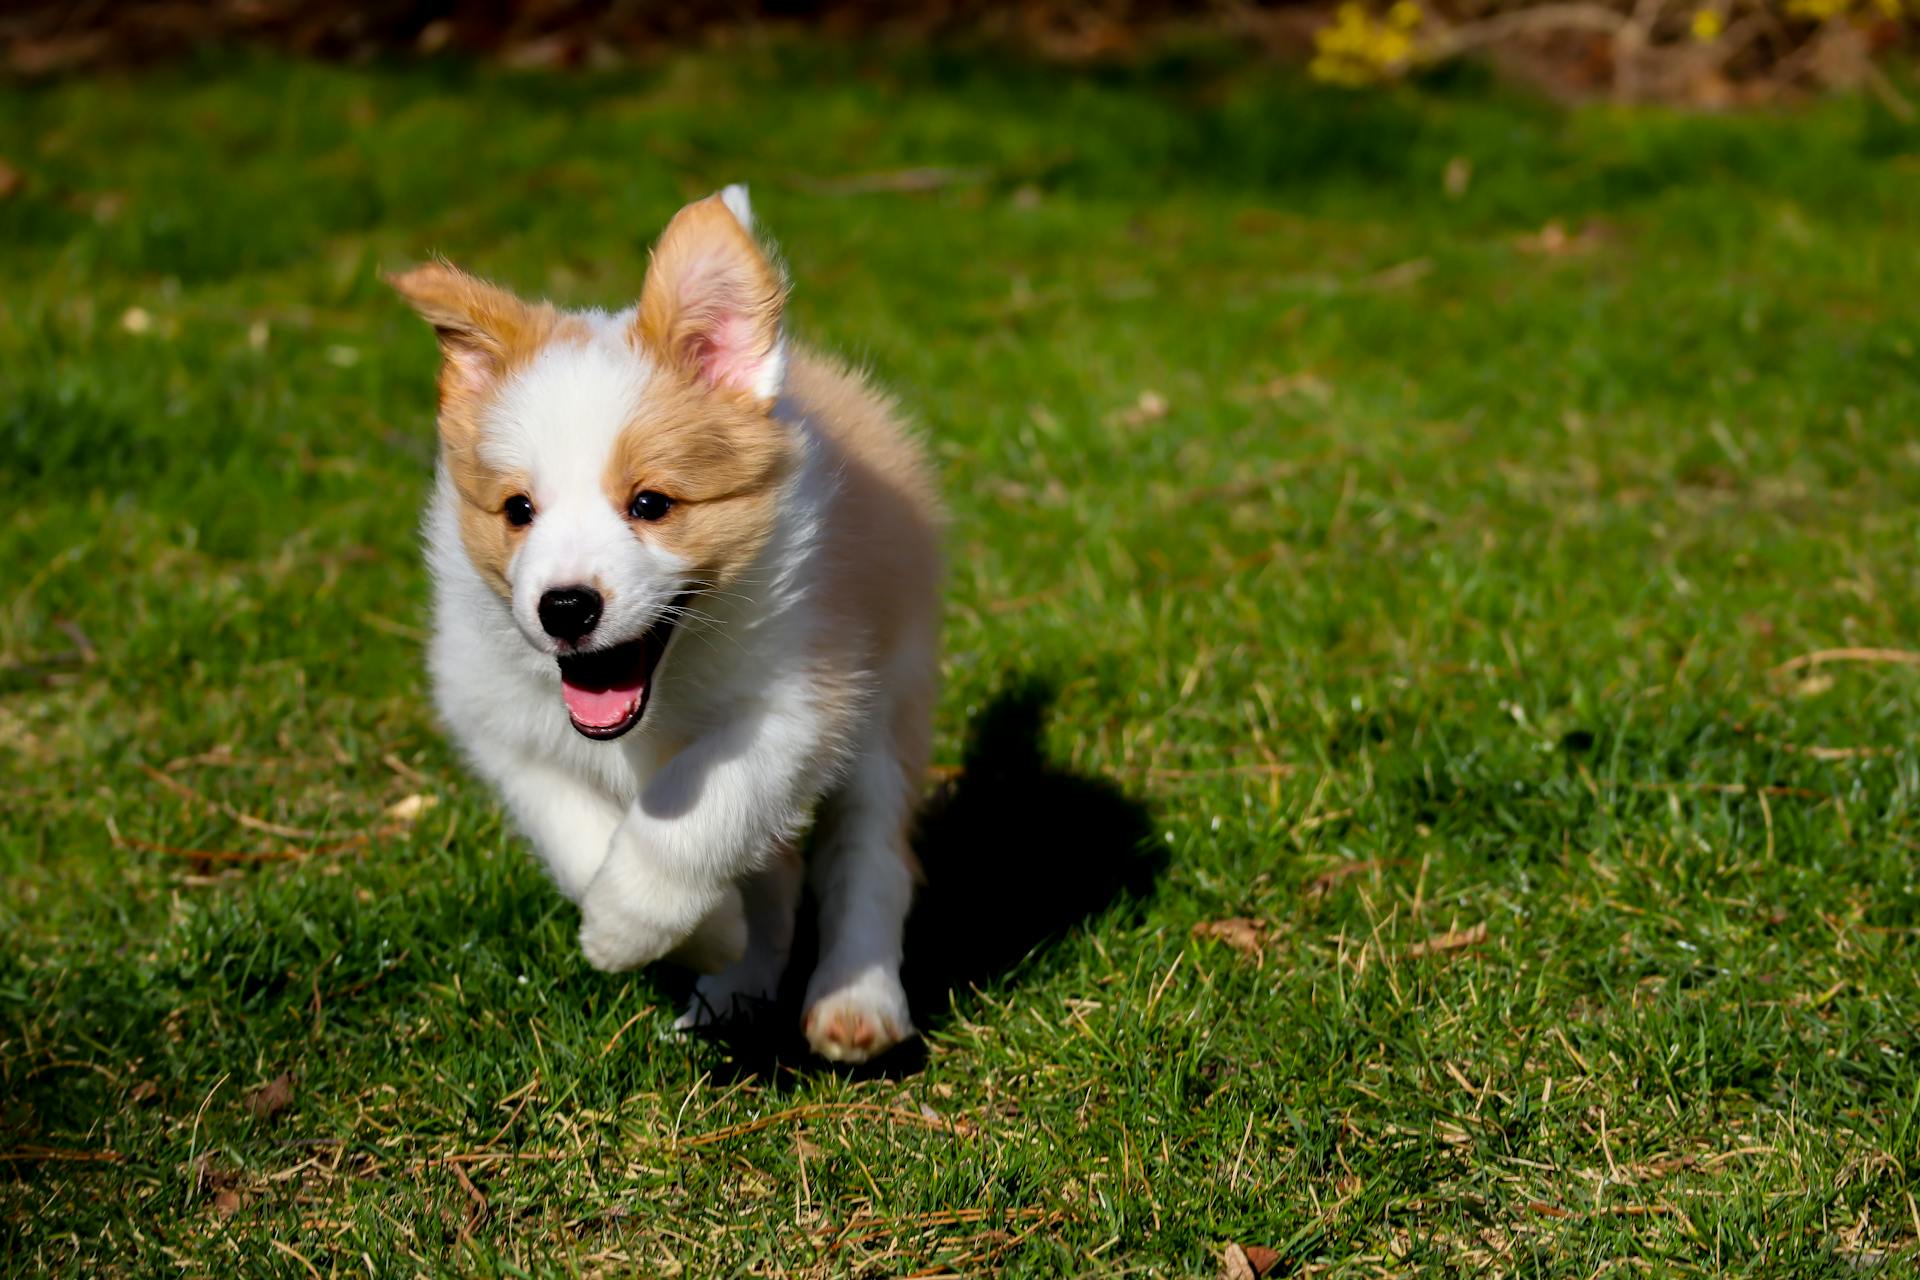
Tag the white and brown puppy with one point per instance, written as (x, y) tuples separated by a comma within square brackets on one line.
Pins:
[(686, 601)]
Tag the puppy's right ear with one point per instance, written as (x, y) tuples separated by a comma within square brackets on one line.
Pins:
[(481, 327)]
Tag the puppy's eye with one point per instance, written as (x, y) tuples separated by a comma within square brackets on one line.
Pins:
[(648, 504), (519, 510)]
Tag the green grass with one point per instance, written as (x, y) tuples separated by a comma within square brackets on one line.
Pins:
[(1440, 583)]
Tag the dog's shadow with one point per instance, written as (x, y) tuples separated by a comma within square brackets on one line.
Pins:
[(1015, 851)]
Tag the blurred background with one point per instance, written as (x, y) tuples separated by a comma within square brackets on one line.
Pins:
[(1704, 52)]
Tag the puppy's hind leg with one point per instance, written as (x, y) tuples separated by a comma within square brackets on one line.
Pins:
[(771, 896), (863, 875)]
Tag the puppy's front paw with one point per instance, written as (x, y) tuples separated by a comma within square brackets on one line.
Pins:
[(859, 1018), (625, 924), (614, 940), (625, 929)]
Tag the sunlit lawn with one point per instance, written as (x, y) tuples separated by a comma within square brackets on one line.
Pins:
[(1393, 525)]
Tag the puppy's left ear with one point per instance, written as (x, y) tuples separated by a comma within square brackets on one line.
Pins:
[(712, 303)]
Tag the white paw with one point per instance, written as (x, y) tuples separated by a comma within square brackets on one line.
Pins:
[(856, 1018), (614, 940), (625, 930)]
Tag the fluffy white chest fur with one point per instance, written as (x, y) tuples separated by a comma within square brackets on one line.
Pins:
[(686, 603)]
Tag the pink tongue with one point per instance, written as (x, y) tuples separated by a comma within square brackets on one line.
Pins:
[(601, 708)]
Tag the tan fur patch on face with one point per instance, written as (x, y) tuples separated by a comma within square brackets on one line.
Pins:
[(720, 460), (489, 539), (485, 334)]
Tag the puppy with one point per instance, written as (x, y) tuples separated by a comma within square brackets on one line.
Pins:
[(686, 598)]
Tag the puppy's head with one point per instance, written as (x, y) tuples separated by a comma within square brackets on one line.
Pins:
[(609, 468)]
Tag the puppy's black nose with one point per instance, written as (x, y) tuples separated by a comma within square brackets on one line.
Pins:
[(569, 613)]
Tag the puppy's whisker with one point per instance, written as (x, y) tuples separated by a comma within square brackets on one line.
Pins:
[(727, 595)]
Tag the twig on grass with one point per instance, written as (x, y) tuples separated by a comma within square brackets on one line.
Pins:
[(608, 1048), (193, 1140), (295, 1254), (1553, 18), (56, 1155), (977, 1256), (486, 1157), (240, 816), (1546, 1210), (82, 645), (477, 1211), (230, 855), (1728, 789), (1897, 657), (1812, 752), (859, 1227), (1268, 769), (520, 1097)]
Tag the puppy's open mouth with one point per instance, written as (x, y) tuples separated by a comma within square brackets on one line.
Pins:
[(606, 690)]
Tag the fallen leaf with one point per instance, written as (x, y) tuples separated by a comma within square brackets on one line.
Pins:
[(11, 180), (271, 1098), (227, 1203), (411, 807), (1551, 239), (212, 1175), (1405, 273), (1300, 384), (1247, 1262), (1813, 686), (1555, 241), (1247, 936), (145, 1091), (1150, 407), (1451, 940)]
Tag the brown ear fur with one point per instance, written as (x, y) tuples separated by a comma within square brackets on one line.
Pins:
[(712, 301), (484, 331)]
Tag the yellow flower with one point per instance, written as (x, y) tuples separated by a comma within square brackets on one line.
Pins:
[(1358, 48), (1707, 25)]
